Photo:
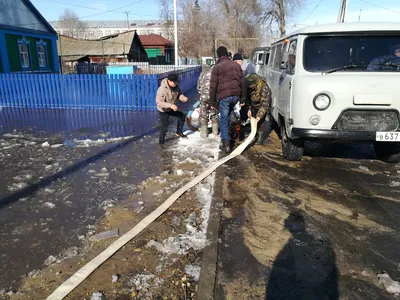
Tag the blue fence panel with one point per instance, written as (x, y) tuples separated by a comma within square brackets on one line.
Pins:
[(106, 91)]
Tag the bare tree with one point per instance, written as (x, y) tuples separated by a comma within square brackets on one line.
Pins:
[(167, 16), (241, 27), (278, 11), (71, 24)]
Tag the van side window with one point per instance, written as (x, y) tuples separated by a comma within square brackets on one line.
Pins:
[(266, 58), (271, 61), (278, 56), (292, 56)]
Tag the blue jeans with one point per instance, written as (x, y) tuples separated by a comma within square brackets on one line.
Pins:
[(225, 108)]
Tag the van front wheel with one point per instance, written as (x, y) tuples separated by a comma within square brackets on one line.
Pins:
[(292, 149), (388, 152)]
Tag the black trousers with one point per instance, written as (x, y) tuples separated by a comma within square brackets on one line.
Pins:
[(262, 124), (164, 119)]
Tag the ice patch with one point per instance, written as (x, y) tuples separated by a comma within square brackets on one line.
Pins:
[(364, 168)]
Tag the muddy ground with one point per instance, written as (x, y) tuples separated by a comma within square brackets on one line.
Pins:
[(322, 228), (163, 261)]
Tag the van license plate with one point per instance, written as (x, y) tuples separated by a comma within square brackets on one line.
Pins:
[(388, 136)]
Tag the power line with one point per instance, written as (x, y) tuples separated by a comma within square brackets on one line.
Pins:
[(94, 8), (76, 19), (315, 8), (392, 10)]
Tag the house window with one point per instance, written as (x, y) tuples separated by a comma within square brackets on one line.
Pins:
[(41, 52), (24, 55)]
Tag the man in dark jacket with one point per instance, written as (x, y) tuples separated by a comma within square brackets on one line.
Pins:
[(226, 86)]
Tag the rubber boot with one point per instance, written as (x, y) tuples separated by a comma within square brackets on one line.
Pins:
[(203, 131), (226, 146), (215, 127), (260, 137), (161, 139)]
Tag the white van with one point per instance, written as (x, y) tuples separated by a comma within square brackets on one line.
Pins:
[(260, 58), (338, 82)]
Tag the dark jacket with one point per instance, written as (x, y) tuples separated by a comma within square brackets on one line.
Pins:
[(226, 80)]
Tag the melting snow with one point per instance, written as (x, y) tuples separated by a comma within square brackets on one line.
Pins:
[(49, 205), (194, 271), (195, 238), (394, 184), (89, 142)]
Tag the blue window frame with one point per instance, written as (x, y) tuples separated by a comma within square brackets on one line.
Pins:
[(24, 54), (41, 50)]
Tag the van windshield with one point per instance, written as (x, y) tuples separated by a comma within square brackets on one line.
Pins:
[(355, 53)]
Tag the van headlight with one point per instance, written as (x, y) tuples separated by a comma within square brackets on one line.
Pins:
[(322, 102)]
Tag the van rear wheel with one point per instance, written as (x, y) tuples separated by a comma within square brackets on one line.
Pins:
[(292, 149), (388, 152)]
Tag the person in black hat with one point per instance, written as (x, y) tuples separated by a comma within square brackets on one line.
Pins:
[(167, 95), (247, 67)]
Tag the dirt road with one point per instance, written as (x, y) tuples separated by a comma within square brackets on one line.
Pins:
[(321, 228)]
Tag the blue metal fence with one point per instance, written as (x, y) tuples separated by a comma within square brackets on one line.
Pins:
[(78, 123), (120, 91)]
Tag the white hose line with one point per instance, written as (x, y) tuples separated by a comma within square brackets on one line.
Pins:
[(68, 286)]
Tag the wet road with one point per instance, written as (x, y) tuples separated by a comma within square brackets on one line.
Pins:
[(321, 228), (51, 196)]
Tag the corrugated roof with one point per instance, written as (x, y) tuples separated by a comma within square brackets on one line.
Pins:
[(154, 40), (113, 45)]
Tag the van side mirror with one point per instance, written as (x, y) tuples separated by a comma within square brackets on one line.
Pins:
[(283, 66), (260, 62)]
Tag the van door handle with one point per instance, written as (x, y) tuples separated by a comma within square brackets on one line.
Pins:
[(290, 84)]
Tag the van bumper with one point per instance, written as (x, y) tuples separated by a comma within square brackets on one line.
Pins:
[(335, 135)]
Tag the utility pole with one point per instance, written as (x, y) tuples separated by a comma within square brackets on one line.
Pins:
[(176, 35), (342, 11), (359, 17), (127, 20)]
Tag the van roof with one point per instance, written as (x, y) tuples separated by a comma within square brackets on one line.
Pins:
[(346, 27)]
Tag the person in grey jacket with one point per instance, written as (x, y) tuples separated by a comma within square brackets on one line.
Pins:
[(167, 96)]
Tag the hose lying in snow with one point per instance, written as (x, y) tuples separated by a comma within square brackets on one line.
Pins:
[(76, 279)]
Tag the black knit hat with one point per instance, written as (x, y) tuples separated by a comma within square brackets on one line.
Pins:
[(173, 77), (237, 56), (222, 51)]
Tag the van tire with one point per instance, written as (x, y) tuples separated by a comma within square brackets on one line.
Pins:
[(388, 152), (292, 149)]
